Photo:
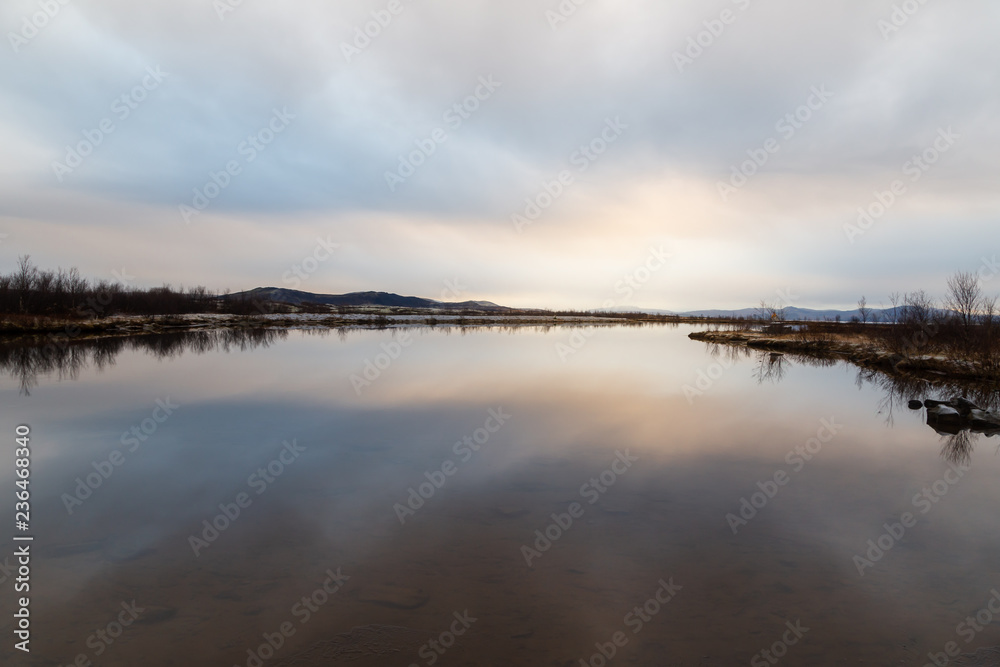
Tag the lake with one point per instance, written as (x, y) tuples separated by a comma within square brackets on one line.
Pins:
[(620, 496)]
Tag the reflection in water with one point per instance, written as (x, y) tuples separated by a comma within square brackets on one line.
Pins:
[(64, 359), (770, 367), (26, 362), (958, 448), (960, 436), (461, 550)]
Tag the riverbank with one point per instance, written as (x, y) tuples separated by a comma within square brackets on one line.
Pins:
[(19, 328), (859, 350)]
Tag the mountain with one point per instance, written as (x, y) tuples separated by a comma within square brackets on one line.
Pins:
[(789, 312), (383, 299)]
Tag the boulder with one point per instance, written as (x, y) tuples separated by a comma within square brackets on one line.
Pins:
[(981, 420), (964, 405), (943, 412)]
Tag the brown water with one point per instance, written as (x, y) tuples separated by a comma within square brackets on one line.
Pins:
[(462, 554)]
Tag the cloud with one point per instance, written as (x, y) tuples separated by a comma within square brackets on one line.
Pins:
[(359, 110)]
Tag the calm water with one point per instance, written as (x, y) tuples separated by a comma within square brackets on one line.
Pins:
[(503, 432)]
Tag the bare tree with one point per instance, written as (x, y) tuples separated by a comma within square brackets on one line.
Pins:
[(5, 294), (918, 308), (863, 310), (75, 285), (894, 301), (59, 288), (965, 297), (24, 280), (44, 288), (988, 307), (769, 311)]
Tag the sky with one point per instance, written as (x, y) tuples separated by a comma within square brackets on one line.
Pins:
[(576, 154)]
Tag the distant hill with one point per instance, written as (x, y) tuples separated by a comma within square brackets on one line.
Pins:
[(790, 313), (384, 299), (390, 300)]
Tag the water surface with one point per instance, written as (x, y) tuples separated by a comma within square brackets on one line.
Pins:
[(504, 429)]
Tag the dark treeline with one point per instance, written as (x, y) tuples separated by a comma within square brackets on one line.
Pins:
[(29, 290)]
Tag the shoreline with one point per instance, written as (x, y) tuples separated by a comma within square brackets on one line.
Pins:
[(49, 328), (863, 354)]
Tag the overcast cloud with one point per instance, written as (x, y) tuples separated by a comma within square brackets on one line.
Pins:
[(207, 84)]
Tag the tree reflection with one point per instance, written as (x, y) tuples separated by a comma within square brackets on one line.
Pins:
[(64, 359), (960, 433), (957, 448), (770, 368)]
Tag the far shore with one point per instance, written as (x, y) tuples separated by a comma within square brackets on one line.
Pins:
[(826, 341), (22, 328)]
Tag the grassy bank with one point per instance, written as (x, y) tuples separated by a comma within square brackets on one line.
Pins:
[(929, 357)]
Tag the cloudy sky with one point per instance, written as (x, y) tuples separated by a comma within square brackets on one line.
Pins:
[(529, 153)]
